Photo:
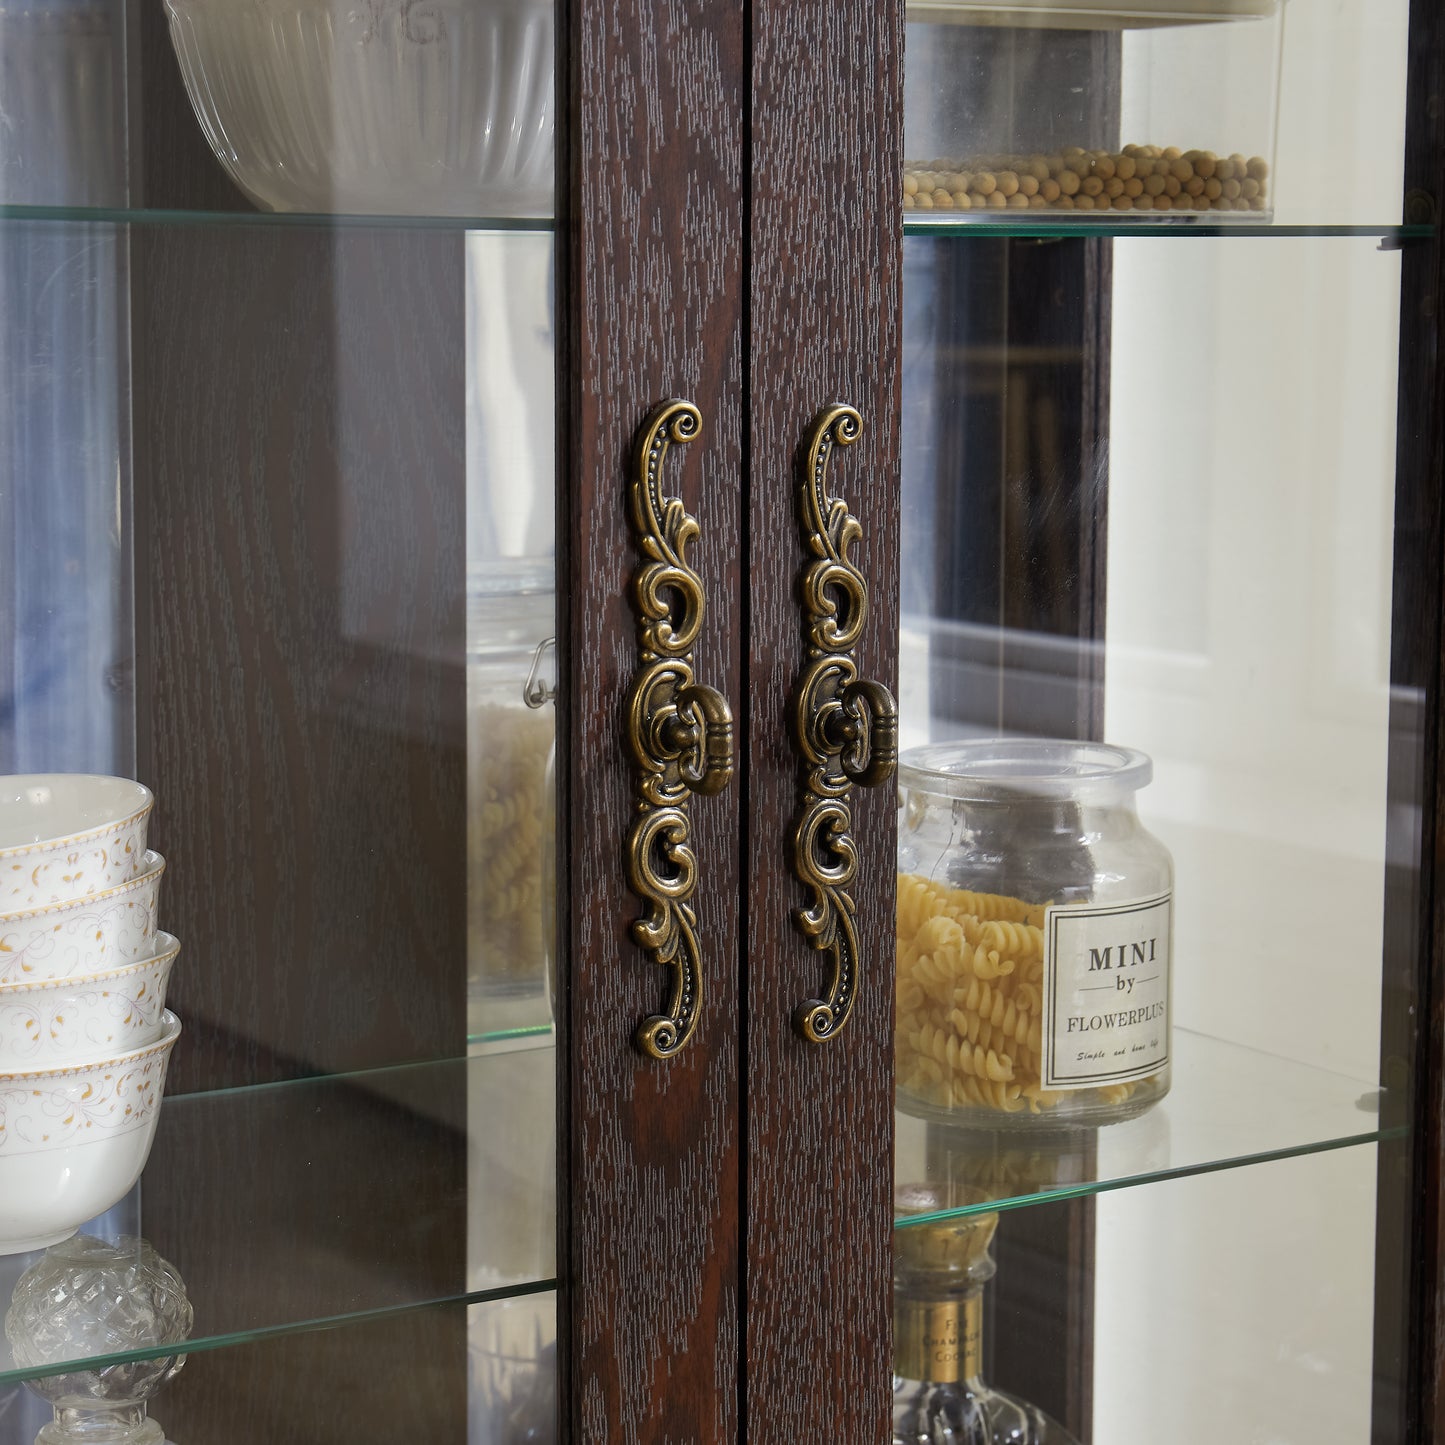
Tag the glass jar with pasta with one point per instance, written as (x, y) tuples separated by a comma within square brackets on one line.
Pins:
[(1035, 924), (509, 810)]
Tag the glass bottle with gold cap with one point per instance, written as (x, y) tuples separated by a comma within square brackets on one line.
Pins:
[(940, 1267)]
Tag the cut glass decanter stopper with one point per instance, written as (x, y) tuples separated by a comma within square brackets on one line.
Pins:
[(940, 1267), (88, 1298)]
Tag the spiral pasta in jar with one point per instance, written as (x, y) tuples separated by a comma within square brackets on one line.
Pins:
[(1035, 929)]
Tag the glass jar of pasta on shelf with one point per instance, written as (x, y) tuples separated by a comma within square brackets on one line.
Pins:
[(1035, 925), (510, 808)]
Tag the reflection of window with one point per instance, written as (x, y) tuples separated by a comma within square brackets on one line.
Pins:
[(1004, 484), (66, 688)]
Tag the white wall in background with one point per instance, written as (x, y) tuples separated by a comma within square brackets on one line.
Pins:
[(1250, 514)]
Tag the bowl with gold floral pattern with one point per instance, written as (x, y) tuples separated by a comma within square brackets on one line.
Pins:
[(68, 835), (74, 1140), (66, 1021), (87, 935)]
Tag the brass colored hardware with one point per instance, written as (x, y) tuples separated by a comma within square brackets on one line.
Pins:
[(680, 732), (846, 727)]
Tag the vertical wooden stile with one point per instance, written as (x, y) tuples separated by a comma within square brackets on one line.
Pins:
[(650, 206), (1409, 1344), (824, 327)]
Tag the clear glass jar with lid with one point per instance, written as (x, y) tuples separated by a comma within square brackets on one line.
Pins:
[(1035, 925)]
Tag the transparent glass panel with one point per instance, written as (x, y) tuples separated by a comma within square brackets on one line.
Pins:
[(320, 631), (1085, 111), (511, 654), (1150, 500), (1242, 1106), (1247, 653), (67, 662), (1219, 598), (458, 1212), (1127, 113), (1268, 1275), (513, 1348), (1258, 1311), (389, 1377)]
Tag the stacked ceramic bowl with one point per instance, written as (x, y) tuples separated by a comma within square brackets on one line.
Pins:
[(396, 107), (84, 1032)]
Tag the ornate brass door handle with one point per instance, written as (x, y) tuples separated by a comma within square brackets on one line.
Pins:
[(680, 732), (846, 727)]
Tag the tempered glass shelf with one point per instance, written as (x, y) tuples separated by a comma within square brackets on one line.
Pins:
[(913, 225), (1229, 1106), (955, 226), (140, 216), (299, 1206)]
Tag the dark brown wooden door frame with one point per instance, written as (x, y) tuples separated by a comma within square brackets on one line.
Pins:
[(650, 245), (825, 314), (1409, 1363)]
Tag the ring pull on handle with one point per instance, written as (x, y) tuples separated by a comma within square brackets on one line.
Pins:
[(680, 732), (846, 728)]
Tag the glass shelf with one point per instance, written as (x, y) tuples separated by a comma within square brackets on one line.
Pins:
[(915, 224), (1230, 1106), (956, 226), (140, 216), (299, 1206)]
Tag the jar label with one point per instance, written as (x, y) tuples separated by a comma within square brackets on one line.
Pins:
[(1106, 992)]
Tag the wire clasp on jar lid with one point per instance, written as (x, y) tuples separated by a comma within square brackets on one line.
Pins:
[(539, 689)]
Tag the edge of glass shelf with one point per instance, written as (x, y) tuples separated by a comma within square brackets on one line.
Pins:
[(914, 224), (1325, 1092), (407, 1084), (203, 1344), (496, 1040), (1093, 1187), (1124, 226), (306, 220)]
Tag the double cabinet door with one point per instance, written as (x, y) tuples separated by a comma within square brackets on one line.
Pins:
[(330, 482), (728, 241), (729, 229)]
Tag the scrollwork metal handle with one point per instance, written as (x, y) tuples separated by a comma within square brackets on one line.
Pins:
[(679, 731), (846, 728)]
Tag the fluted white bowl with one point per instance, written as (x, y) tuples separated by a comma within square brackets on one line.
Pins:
[(416, 107), (67, 1021), (74, 1140), (65, 835), (88, 935)]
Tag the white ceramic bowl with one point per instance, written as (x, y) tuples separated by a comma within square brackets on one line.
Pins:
[(89, 935), (66, 1021), (73, 1141), (417, 107), (65, 835)]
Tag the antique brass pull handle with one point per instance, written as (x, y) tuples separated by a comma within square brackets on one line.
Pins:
[(680, 732), (846, 728)]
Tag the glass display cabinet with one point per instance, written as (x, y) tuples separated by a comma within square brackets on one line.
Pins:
[(789, 663)]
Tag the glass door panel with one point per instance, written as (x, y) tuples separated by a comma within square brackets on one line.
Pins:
[(1151, 499), (277, 513)]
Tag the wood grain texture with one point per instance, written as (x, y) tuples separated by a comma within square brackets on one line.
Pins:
[(372, 1383), (825, 327), (1409, 1358), (649, 264), (323, 1228), (299, 507), (172, 167)]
